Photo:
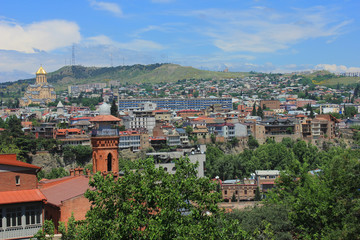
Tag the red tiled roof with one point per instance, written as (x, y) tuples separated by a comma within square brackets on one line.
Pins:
[(105, 118), (10, 159), (32, 195), (268, 183), (160, 111), (57, 193), (69, 130)]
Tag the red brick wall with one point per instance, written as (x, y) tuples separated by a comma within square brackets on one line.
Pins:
[(52, 213), (28, 180), (78, 205)]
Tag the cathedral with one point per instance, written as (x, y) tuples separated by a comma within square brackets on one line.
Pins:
[(40, 93)]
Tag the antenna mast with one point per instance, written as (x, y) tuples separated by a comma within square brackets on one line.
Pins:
[(73, 54)]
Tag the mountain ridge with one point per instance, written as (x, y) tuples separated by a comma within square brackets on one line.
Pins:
[(152, 73)]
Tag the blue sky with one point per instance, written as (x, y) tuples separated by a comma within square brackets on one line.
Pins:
[(258, 35)]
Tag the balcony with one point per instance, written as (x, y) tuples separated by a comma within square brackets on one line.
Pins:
[(104, 132)]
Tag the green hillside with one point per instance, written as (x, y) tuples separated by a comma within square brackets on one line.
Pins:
[(329, 79), (74, 75)]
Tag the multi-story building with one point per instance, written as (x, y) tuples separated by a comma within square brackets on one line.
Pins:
[(21, 202), (162, 115), (266, 179), (130, 140), (271, 104), (176, 103), (39, 93), (166, 160)]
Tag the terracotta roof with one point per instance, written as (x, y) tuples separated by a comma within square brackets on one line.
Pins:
[(10, 159), (105, 118), (32, 195), (64, 190)]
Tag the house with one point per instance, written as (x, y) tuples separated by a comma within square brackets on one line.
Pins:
[(241, 189), (66, 196), (266, 179), (21, 202)]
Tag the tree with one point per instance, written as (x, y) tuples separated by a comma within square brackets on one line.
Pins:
[(233, 198), (323, 204), (253, 112), (114, 108), (260, 112), (47, 231), (257, 194), (252, 142), (70, 232), (150, 203)]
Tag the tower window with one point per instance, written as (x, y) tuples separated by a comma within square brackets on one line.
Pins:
[(17, 180), (109, 163)]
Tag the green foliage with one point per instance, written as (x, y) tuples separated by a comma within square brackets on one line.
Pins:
[(79, 154), (48, 229), (114, 109), (71, 232), (323, 205), (56, 173), (257, 194), (253, 112), (252, 142), (266, 222), (150, 203)]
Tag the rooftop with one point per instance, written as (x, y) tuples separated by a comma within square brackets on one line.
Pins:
[(21, 196), (10, 159)]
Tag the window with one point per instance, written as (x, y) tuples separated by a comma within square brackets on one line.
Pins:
[(236, 192), (272, 177), (174, 168), (13, 217), (225, 192), (245, 192), (17, 180), (262, 177), (32, 215), (0, 218), (165, 169)]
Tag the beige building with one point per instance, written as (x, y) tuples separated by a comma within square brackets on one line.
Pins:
[(39, 93)]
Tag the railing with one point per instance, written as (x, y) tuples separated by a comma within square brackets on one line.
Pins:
[(104, 132), (19, 232)]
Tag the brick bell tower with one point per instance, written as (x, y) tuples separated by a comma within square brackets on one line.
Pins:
[(105, 142)]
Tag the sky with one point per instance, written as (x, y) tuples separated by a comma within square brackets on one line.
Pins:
[(241, 35)]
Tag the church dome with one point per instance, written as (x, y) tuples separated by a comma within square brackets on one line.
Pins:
[(41, 71), (104, 109)]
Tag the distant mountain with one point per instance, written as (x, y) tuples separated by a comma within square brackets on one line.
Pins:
[(153, 73)]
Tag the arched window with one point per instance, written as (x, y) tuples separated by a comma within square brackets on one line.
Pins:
[(109, 162)]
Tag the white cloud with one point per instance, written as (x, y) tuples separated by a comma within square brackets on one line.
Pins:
[(43, 36), (107, 6), (135, 45), (262, 29), (336, 68)]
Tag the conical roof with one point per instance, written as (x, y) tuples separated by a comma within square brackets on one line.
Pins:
[(41, 71), (60, 105)]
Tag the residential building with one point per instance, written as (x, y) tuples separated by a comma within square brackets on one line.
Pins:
[(240, 189), (266, 179), (130, 140), (21, 203), (176, 103), (271, 104), (166, 160)]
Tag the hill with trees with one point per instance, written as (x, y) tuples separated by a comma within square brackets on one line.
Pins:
[(153, 73)]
